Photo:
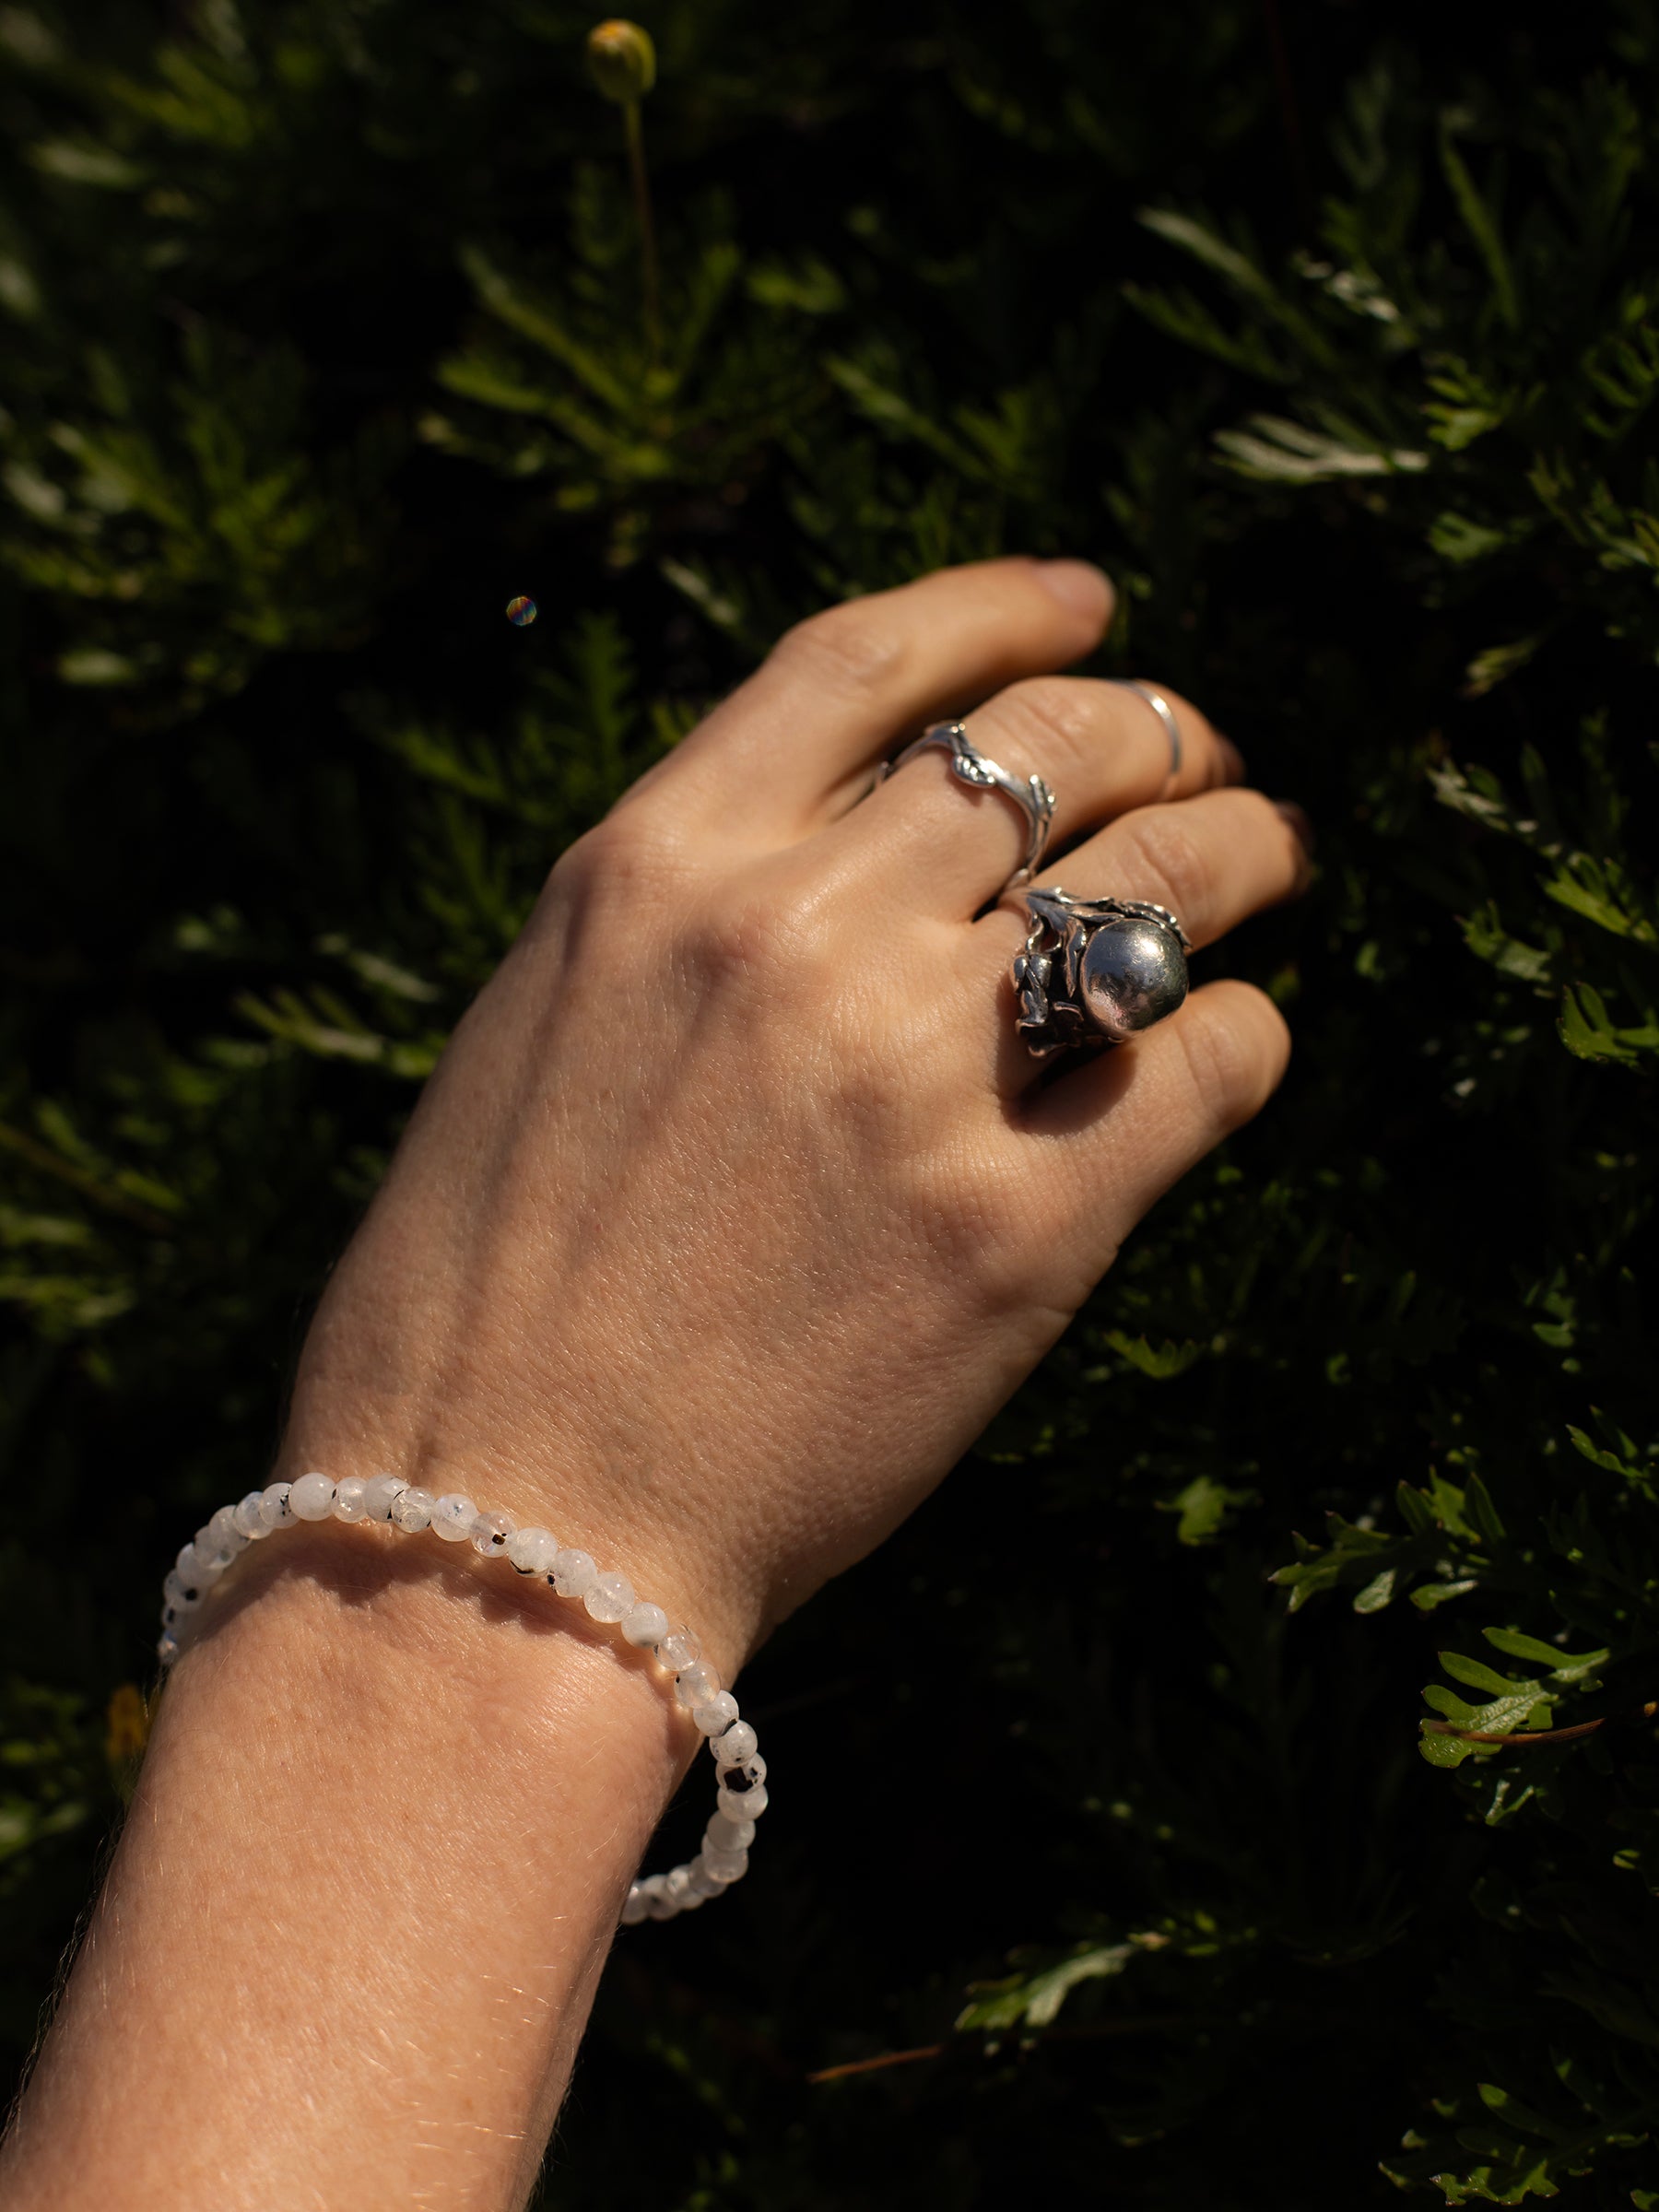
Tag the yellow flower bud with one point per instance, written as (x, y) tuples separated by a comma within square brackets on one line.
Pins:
[(126, 1726), (622, 59)]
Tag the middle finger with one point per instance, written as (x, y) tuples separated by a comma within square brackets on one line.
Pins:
[(1101, 746)]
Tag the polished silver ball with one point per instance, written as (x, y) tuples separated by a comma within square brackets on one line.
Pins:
[(1134, 972)]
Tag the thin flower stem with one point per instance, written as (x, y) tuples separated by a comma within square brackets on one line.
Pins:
[(648, 258)]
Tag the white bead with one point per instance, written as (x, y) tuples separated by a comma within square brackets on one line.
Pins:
[(725, 1835), (752, 1770), (676, 1884), (645, 1625), (214, 1554), (311, 1498), (574, 1573), (490, 1532), (412, 1508), (724, 1865), (249, 1516), (693, 1900), (695, 1684), (350, 1500), (659, 1905), (741, 1805), (704, 1884), (453, 1517), (276, 1512), (197, 1571), (224, 1532), (610, 1597), (380, 1494), (179, 1592), (167, 1648), (531, 1551), (682, 1649), (717, 1715), (633, 1906), (736, 1747)]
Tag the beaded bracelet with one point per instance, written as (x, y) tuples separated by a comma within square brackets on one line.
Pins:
[(723, 1858)]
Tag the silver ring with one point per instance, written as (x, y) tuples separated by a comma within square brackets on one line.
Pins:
[(1096, 971), (968, 765), (1165, 713)]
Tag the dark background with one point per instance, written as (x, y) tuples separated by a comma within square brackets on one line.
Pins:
[(1334, 340)]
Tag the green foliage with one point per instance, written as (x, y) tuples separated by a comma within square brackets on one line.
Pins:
[(324, 339)]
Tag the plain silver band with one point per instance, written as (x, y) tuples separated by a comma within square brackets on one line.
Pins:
[(968, 765), (1165, 713)]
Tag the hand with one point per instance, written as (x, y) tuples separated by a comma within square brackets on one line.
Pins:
[(735, 1209)]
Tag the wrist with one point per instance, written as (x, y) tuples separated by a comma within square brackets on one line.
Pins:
[(639, 1527)]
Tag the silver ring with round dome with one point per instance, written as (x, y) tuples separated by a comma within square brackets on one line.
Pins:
[(1096, 971)]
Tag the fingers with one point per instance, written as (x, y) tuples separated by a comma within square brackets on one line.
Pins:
[(1131, 1122), (1101, 747), (793, 748), (1213, 861)]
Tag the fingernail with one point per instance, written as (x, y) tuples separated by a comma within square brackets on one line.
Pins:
[(1079, 586), (1299, 820)]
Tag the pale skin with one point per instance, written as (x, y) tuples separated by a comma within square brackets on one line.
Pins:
[(731, 1214)]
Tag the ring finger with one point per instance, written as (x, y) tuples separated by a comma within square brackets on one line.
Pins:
[(1101, 747), (1213, 862)]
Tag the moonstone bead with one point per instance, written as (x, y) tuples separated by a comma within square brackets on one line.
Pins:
[(704, 1884), (610, 1596), (745, 1805), (532, 1550), (724, 1865), (738, 1744), (574, 1573), (645, 1625), (682, 1649), (725, 1835), (695, 1684), (380, 1494), (214, 1554), (491, 1532), (225, 1533), (633, 1906), (453, 1517), (197, 1571), (412, 1509), (350, 1500), (276, 1511), (311, 1498), (250, 1517), (167, 1648), (179, 1592), (717, 1715), (659, 1905)]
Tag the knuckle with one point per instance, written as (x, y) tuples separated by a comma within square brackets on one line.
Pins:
[(1055, 716), (762, 946), (857, 646), (1169, 863), (976, 1227)]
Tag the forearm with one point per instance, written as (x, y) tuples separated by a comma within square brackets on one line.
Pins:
[(353, 1925)]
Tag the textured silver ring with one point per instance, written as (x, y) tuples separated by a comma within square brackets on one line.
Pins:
[(1096, 971), (1165, 713), (968, 765)]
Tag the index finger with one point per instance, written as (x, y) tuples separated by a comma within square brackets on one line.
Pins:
[(793, 748)]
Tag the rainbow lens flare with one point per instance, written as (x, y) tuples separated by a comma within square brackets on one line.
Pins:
[(522, 612)]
